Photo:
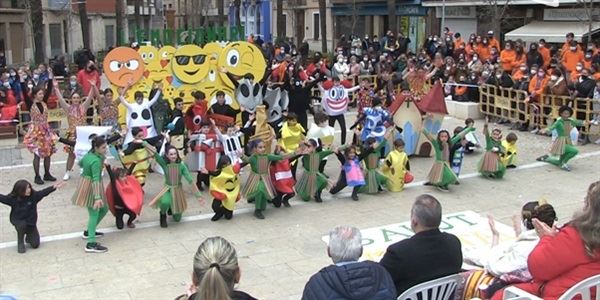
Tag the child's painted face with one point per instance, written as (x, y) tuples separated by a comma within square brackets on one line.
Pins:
[(444, 137), (260, 148), (220, 99), (204, 129), (172, 155), (496, 134)]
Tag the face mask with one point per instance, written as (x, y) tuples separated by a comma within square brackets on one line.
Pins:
[(341, 60), (533, 72), (36, 76), (473, 77), (484, 74), (522, 68), (282, 51), (372, 60), (588, 56), (541, 74), (554, 77), (573, 48), (448, 68), (578, 68), (474, 57), (30, 86), (365, 59), (6, 84), (498, 76), (73, 83), (13, 74)]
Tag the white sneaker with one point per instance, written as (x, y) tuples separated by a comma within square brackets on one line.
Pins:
[(534, 131), (67, 176)]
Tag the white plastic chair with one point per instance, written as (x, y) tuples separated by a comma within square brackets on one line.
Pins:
[(437, 289), (582, 288)]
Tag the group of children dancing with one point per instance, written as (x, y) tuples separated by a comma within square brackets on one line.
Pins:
[(212, 148)]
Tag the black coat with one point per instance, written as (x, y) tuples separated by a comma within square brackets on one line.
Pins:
[(425, 256), (534, 58), (24, 211), (353, 281)]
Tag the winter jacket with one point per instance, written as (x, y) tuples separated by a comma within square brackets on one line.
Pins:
[(352, 281), (558, 263)]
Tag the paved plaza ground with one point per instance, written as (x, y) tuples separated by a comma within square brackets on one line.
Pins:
[(276, 255)]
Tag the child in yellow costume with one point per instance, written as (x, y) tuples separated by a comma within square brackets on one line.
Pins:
[(136, 153), (225, 187), (509, 159), (395, 166), (292, 133)]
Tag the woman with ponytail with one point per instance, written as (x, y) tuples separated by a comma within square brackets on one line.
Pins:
[(90, 192), (216, 271)]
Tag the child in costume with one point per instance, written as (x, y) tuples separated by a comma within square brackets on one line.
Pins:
[(222, 108), (351, 173), (23, 201), (491, 164), (292, 135), (176, 127), (283, 178), (373, 178), (395, 166), (374, 120), (171, 197), (562, 148), (76, 116), (457, 151), (108, 109), (90, 192), (441, 174), (364, 96), (124, 195), (334, 100), (472, 140), (232, 146), (224, 187), (136, 153), (312, 182), (259, 187), (139, 115), (205, 152), (321, 129), (509, 159)]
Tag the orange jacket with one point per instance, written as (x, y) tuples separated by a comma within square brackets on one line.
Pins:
[(507, 58), (535, 88), (460, 90), (597, 75), (545, 52), (587, 64), (483, 52), (566, 48), (457, 43), (574, 75), (517, 74), (570, 59), (493, 42)]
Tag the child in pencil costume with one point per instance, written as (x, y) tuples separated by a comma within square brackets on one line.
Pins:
[(491, 164), (351, 173), (171, 196), (395, 167), (373, 178), (562, 148), (441, 175), (259, 187), (509, 159), (225, 187), (312, 182)]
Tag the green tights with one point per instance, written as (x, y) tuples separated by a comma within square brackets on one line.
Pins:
[(96, 216)]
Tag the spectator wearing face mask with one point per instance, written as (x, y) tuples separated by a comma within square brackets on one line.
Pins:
[(475, 65), (575, 74), (572, 57), (459, 50), (493, 42), (89, 73), (73, 87), (473, 90), (557, 85), (520, 56), (14, 83), (534, 57), (340, 68), (584, 86), (483, 49), (587, 59), (568, 44), (545, 52), (501, 79), (457, 40), (537, 84), (508, 57)]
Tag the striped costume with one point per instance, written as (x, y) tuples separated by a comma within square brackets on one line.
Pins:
[(312, 181)]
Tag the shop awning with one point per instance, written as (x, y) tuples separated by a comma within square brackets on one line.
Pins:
[(551, 31)]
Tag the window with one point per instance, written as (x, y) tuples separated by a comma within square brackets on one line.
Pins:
[(284, 25), (55, 39), (109, 36), (316, 26)]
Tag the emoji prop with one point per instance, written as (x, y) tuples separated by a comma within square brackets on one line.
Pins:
[(226, 186), (263, 130), (277, 102), (335, 98), (140, 115), (156, 67), (189, 64), (240, 59), (123, 65), (249, 94)]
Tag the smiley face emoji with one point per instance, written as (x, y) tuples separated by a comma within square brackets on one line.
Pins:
[(241, 58), (189, 64), (123, 65)]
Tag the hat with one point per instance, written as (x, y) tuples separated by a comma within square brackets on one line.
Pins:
[(490, 32)]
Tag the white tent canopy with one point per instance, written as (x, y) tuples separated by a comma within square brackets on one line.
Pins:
[(551, 31)]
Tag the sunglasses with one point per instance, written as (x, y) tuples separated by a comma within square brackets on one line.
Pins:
[(185, 59)]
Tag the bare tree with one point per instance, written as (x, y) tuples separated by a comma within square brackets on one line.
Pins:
[(136, 14), (323, 23), (391, 7), (121, 20), (354, 16), (85, 25), (280, 20), (590, 13), (236, 18), (221, 10), (37, 26), (495, 10)]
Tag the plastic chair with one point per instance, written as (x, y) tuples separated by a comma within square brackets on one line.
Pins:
[(582, 288), (437, 289), (514, 293)]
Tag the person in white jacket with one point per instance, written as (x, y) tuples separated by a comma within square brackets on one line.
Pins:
[(340, 68)]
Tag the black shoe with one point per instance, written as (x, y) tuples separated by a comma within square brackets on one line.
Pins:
[(95, 248), (354, 197), (21, 248), (286, 203), (48, 177), (163, 220), (251, 200), (511, 166), (542, 158), (85, 234), (216, 217), (119, 223), (443, 189), (169, 212), (277, 202), (38, 180), (318, 197), (427, 183), (258, 214), (228, 215)]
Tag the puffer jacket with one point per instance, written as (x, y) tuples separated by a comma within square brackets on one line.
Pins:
[(353, 281)]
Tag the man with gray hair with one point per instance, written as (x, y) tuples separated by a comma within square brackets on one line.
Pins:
[(427, 255), (348, 278)]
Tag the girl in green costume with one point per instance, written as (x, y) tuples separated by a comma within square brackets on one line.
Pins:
[(441, 175), (373, 178), (491, 164), (259, 187), (562, 148), (90, 192), (171, 197), (312, 182)]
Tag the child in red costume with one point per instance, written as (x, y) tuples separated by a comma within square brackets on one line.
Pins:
[(282, 178)]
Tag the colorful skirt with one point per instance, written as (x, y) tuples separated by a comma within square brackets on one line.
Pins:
[(173, 194), (559, 145), (71, 136), (84, 194), (40, 140), (471, 282), (441, 174), (491, 164), (373, 181), (258, 186), (309, 184)]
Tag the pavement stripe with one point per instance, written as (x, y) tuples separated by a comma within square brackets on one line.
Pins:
[(66, 236)]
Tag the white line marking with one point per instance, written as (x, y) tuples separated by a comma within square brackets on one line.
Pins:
[(65, 236)]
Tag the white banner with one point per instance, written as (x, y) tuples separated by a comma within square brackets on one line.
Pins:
[(83, 144)]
